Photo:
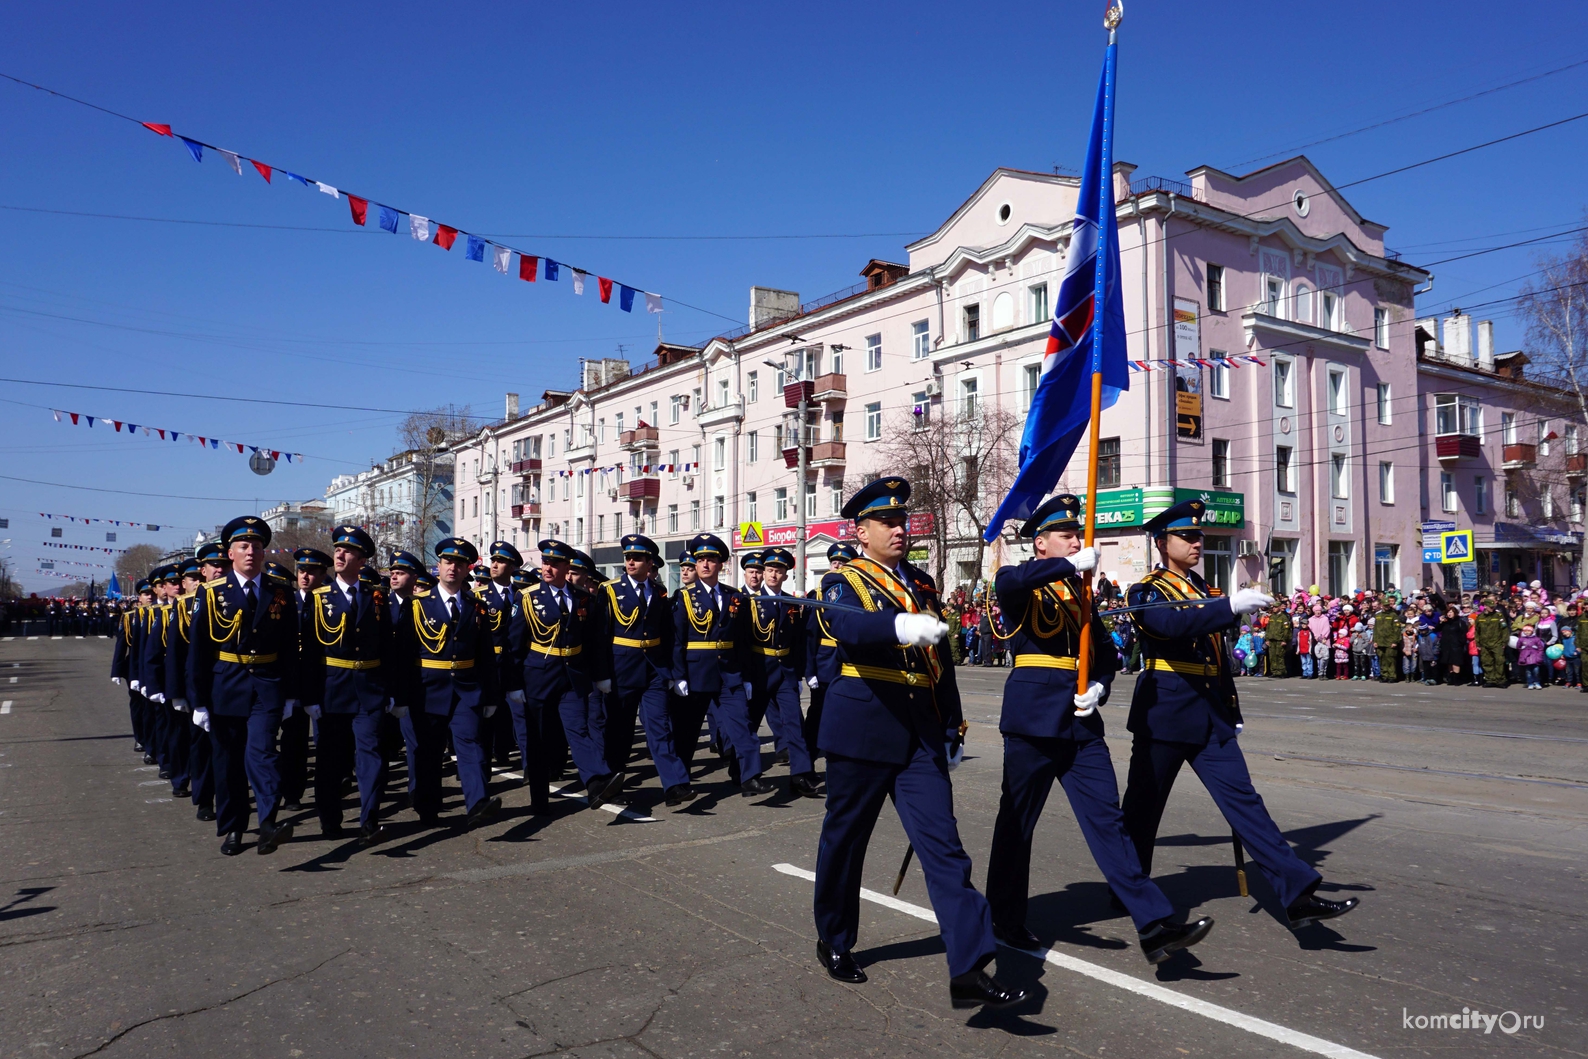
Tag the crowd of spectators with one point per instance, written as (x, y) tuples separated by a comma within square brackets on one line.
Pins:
[(58, 616)]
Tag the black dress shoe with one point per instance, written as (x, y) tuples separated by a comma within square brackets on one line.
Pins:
[(293, 807), (603, 789), (233, 844), (137, 747), (1166, 939), (757, 786), (715, 747), (679, 793), (483, 810), (205, 813), (805, 785), (182, 792), (369, 834), (271, 836), (148, 758), (430, 819), (1018, 937), (164, 774), (780, 758), (840, 965), (980, 989), (333, 831), (1312, 908)]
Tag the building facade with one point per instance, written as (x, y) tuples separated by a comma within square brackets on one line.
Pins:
[(405, 502)]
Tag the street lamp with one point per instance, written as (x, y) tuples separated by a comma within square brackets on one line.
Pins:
[(800, 463)]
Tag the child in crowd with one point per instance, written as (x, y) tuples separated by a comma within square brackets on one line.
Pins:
[(1247, 645), (1427, 653), (1530, 655), (1361, 652), (1342, 653), (1409, 651), (1573, 671)]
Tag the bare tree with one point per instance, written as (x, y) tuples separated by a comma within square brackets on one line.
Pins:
[(1554, 307), (135, 563), (9, 588), (426, 437)]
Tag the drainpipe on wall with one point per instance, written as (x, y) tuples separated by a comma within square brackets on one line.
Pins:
[(1146, 336), (1170, 433)]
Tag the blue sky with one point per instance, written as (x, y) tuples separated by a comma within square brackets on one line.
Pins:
[(611, 121)]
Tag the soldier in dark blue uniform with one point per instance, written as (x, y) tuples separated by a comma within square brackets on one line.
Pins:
[(1185, 711), (405, 572), (778, 634), (213, 564), (442, 646), (821, 659), (634, 622), (124, 665), (752, 565), (178, 634), (310, 567), (893, 709), (1052, 732), (242, 673), (151, 666), (554, 643), (711, 647), (347, 664), (499, 597)]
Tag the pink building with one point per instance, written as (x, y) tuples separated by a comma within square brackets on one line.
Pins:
[(1281, 381)]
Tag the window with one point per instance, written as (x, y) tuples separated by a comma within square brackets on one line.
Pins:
[(1571, 439), (1284, 474), (873, 352), (971, 330), (672, 518), (1273, 292), (780, 504), (551, 444), (1337, 395), (1384, 415), (675, 406), (1303, 303), (719, 453), (1457, 414), (1544, 434), (1447, 491), (1039, 302), (1513, 503), (751, 508), (1030, 378), (1108, 470), (601, 431), (1547, 500), (1329, 311), (654, 419), (620, 425), (1281, 565), (874, 421), (1339, 476), (1579, 499), (810, 499), (719, 512), (601, 528), (1508, 428), (1219, 374), (1480, 495), (920, 409), (566, 485), (1340, 579), (969, 395), (1386, 482), (476, 506), (1216, 561), (920, 334), (1215, 288), (753, 448), (838, 360), (1221, 463), (694, 514), (578, 484), (694, 457), (1381, 328), (1386, 558), (672, 461), (835, 489), (777, 438), (1284, 384), (578, 531)]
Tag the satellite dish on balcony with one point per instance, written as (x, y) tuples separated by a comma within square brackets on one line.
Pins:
[(261, 463)]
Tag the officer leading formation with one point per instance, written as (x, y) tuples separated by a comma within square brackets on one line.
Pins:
[(239, 673)]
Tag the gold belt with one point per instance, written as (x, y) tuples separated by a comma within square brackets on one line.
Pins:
[(629, 641), (892, 676), (711, 645), (827, 642), (245, 660), (555, 652), (353, 663), (442, 663), (774, 652), (1186, 669), (498, 648), (1044, 662)]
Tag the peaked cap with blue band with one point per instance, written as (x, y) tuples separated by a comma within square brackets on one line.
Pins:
[(778, 557), (1062, 512), (752, 560), (311, 558), (502, 550), (1185, 516), (641, 546), (882, 498), (401, 560), (458, 548), (555, 550), (586, 565), (354, 537), (246, 528), (842, 551), (707, 546), (686, 558), (190, 568), (214, 552)]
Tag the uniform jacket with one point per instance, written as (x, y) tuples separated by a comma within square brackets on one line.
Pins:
[(549, 644), (179, 641), (636, 636), (124, 653), (500, 604), (440, 665), (347, 650), (885, 697), (821, 650), (1198, 701), (777, 642), (711, 645), (1041, 616), (231, 660)]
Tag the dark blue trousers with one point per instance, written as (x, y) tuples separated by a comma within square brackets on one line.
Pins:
[(348, 742), (135, 711), (1086, 772), (243, 755), (154, 722), (650, 704), (294, 762), (731, 711), (1222, 770), (410, 750), (781, 707), (179, 740), (430, 737), (583, 718), (201, 773), (925, 801), (813, 721)]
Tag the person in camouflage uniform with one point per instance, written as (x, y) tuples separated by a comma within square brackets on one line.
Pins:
[(1277, 640), (1493, 632), (1387, 642)]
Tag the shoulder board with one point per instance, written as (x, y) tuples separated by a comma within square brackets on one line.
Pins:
[(322, 590), (217, 583), (421, 593)]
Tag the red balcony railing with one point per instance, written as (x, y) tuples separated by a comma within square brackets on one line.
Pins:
[(525, 466), (1520, 455), (642, 488), (1458, 446)]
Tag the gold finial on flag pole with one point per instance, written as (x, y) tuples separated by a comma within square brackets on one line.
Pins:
[(1114, 15)]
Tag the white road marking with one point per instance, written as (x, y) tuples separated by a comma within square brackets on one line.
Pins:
[(616, 810), (155, 801), (13, 680), (153, 783), (33, 637), (1229, 1016), (5, 707), (147, 768)]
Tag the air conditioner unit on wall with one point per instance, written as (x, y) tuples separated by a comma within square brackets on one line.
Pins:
[(933, 388), (1248, 548)]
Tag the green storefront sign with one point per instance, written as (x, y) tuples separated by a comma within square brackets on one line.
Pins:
[(1124, 508)]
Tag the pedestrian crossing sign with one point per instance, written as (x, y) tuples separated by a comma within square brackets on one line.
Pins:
[(751, 534), (1456, 547)]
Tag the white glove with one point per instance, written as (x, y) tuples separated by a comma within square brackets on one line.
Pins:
[(116, 681), (181, 705), (314, 712), (604, 686), (288, 707), (134, 685), (813, 682), (397, 711), (1243, 600), (1240, 726), (749, 692), (957, 753), (158, 696), (918, 630), (490, 711), (1086, 702), (682, 687), (1084, 560), (202, 719), (516, 697)]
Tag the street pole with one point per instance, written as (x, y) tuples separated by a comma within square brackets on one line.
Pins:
[(799, 551)]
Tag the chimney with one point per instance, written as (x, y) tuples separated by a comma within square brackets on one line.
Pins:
[(1122, 173), (512, 407), (1458, 337), (768, 305), (1427, 336), (1486, 345)]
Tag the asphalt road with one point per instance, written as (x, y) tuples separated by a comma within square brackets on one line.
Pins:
[(1457, 815)]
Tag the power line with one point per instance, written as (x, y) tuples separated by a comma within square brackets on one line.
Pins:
[(239, 400), (1464, 150), (129, 492)]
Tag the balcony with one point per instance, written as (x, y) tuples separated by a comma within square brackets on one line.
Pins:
[(793, 392), (639, 489), (827, 454), (526, 466), (731, 412), (638, 438), (831, 387), (1519, 456), (1577, 464), (525, 510), (791, 457), (1458, 446), (580, 452)]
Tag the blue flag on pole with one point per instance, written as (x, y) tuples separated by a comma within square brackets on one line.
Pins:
[(1061, 408)]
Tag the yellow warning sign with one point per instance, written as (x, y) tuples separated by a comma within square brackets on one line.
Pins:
[(751, 534)]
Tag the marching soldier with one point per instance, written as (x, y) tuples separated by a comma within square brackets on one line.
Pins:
[(151, 678), (178, 635), (686, 568), (583, 573), (778, 637), (213, 563), (345, 671), (1053, 732), (710, 656), (554, 641), (895, 710), (634, 615), (404, 572), (499, 597), (1387, 642), (1276, 640), (753, 565), (821, 665), (442, 647), (1185, 711), (242, 673), (135, 620), (310, 566)]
